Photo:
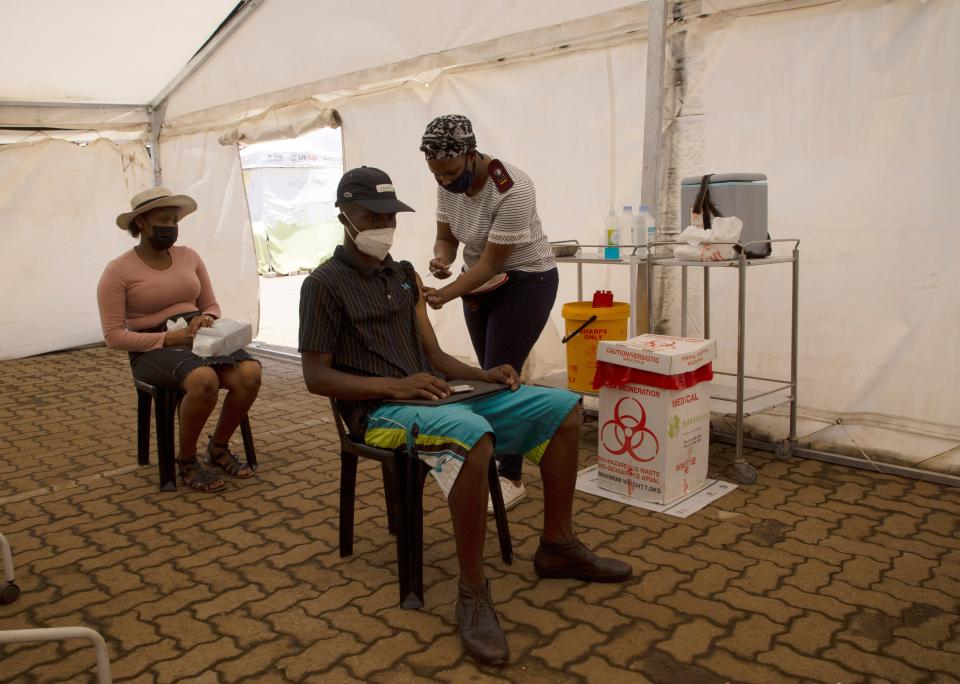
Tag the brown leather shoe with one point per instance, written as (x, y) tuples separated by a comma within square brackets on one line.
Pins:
[(573, 559), (480, 629)]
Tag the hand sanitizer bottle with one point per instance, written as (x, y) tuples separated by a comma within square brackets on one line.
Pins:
[(611, 236)]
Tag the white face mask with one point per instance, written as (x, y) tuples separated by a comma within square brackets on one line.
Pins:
[(375, 242)]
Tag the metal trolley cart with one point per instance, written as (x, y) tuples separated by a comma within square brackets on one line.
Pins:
[(765, 393), (737, 401)]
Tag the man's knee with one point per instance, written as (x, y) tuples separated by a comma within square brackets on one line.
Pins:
[(567, 436), (202, 383), (482, 451), (474, 471), (571, 424)]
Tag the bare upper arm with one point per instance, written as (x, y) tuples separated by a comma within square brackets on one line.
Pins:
[(313, 365), (428, 337)]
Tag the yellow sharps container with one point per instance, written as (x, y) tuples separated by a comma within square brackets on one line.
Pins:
[(586, 326)]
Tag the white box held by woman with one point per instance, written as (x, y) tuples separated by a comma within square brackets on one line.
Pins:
[(224, 337), (654, 428)]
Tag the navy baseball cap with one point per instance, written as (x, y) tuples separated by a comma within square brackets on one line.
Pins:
[(372, 189)]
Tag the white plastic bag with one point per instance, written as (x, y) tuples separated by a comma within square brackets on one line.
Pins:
[(224, 337), (691, 236), (698, 241), (722, 229)]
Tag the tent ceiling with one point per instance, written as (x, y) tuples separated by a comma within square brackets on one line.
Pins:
[(128, 51), (294, 42), (100, 51)]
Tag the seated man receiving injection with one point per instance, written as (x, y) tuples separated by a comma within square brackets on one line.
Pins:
[(366, 340)]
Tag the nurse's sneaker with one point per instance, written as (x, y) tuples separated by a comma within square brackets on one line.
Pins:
[(512, 494)]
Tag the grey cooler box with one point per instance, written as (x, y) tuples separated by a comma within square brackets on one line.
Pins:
[(743, 195)]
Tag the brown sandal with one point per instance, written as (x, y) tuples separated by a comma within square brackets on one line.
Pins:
[(198, 477), (224, 459)]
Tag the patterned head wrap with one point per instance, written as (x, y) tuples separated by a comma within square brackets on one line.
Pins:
[(447, 136)]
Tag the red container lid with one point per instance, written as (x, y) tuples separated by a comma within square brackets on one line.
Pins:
[(602, 299)]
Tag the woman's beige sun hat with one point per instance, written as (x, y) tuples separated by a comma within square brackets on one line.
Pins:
[(155, 198)]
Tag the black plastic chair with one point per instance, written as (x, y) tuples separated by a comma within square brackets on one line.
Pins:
[(167, 403), (403, 477)]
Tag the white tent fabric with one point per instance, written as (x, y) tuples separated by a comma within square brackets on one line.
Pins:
[(100, 51), (313, 41), (858, 143), (36, 123), (58, 204), (199, 166), (73, 116)]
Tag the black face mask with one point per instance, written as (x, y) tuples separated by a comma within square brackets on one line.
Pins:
[(462, 182), (163, 237)]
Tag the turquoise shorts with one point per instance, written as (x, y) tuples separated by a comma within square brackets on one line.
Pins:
[(521, 422)]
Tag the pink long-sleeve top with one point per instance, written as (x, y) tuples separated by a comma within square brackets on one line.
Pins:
[(132, 296)]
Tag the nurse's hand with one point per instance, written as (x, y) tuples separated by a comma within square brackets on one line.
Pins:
[(440, 268), (434, 297), (504, 374)]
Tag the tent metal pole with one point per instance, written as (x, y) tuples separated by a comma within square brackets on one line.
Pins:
[(653, 106), (652, 133), (205, 52), (156, 121), (797, 452), (68, 105)]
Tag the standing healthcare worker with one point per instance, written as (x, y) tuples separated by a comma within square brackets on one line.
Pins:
[(509, 281)]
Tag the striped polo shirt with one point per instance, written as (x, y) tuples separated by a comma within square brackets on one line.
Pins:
[(508, 218), (366, 317)]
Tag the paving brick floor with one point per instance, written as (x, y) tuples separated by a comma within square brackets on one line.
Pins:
[(817, 573)]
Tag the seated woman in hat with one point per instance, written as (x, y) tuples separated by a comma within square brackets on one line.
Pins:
[(138, 293)]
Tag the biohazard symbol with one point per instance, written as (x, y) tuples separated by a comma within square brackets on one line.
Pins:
[(660, 344), (627, 433)]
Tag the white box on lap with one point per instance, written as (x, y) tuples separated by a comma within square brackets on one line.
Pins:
[(224, 337)]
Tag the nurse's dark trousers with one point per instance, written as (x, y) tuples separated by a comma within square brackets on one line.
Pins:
[(505, 323)]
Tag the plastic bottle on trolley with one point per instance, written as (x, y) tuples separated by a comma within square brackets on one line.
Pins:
[(626, 221), (645, 230), (611, 236)]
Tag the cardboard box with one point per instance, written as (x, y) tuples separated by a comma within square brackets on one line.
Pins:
[(654, 442), (224, 337), (659, 353)]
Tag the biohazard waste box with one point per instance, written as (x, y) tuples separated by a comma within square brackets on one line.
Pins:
[(654, 428)]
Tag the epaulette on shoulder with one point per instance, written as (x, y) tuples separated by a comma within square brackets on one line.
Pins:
[(501, 178)]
